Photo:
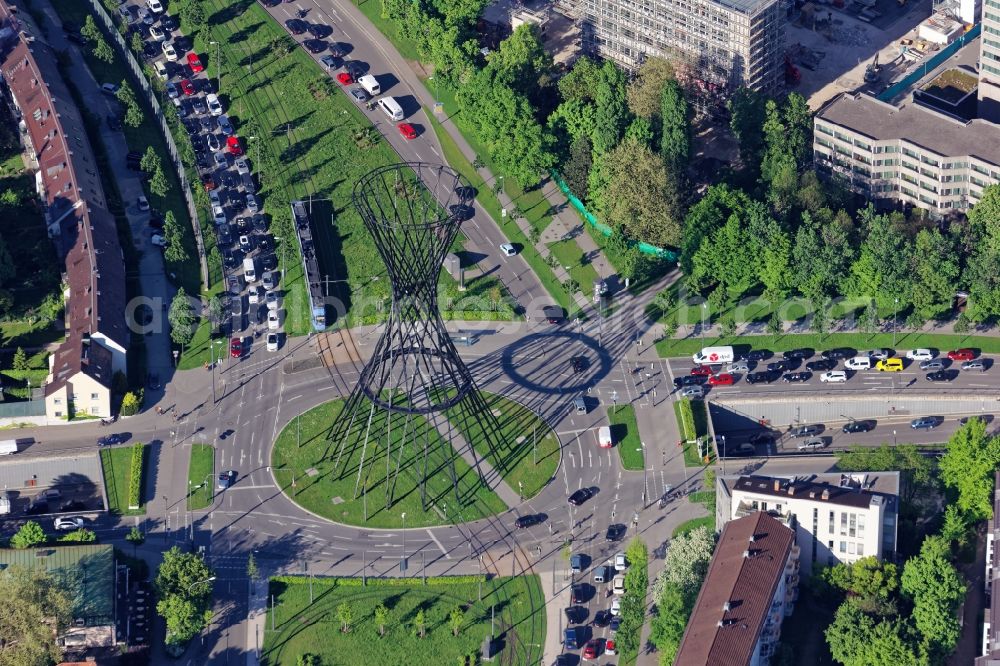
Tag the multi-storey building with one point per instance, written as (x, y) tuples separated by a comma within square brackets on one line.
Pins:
[(910, 154), (836, 517), (989, 62), (729, 42), (751, 586), (990, 652)]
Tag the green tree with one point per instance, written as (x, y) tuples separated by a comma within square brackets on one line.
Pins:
[(133, 118), (456, 619), (173, 237), (747, 114), (131, 403), (36, 610), (819, 323), (774, 325), (183, 618), (574, 120), (821, 254), (103, 51), (635, 197), (135, 537), (344, 616), (686, 564), (381, 618), (578, 83), (193, 14), (871, 584), (136, 42), (253, 573), (868, 320), (645, 91), (150, 161), (420, 622), (967, 468), (955, 527), (936, 589), (30, 535), (856, 639), (183, 585), (675, 139), (158, 184), (705, 217), (20, 360), (612, 115), (882, 269), (182, 319), (90, 31), (521, 62), (981, 274), (576, 170), (727, 326), (916, 470), (667, 627), (641, 132), (81, 535)]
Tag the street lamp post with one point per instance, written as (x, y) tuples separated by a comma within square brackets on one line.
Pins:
[(211, 345), (894, 438), (704, 313), (402, 562), (218, 68), (643, 451), (207, 580), (895, 323)]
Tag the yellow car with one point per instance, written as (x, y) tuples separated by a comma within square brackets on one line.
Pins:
[(890, 365)]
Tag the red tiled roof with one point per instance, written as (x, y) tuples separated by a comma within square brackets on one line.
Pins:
[(742, 577), (95, 270)]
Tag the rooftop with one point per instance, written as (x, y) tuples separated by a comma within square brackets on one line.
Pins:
[(86, 573), (853, 490), (923, 127), (735, 599)]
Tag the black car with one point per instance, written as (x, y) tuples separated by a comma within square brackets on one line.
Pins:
[(318, 30), (578, 363), (265, 243), (757, 355), (269, 262), (744, 449), (528, 520), (778, 366), (797, 377), (552, 313), (296, 26), (766, 437), (925, 422), (36, 508), (151, 50), (315, 45), (209, 123), (580, 496), (821, 366), (74, 505), (797, 353), (615, 532), (168, 22), (689, 380), (111, 440), (758, 377), (614, 624), (807, 430), (579, 594), (602, 618), (839, 353), (858, 426), (258, 223), (337, 50), (576, 614), (939, 376)]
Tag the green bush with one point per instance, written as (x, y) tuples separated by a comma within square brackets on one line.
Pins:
[(81, 535), (685, 418), (385, 582), (135, 476)]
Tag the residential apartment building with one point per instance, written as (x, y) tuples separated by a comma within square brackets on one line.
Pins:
[(77, 217), (836, 517), (751, 586), (989, 62), (990, 652), (909, 154), (728, 42)]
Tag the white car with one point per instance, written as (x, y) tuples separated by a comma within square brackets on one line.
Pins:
[(621, 564), (272, 342), (220, 159), (273, 320), (157, 34), (173, 90), (858, 363), (219, 215), (273, 300), (269, 279), (616, 606), (254, 296), (70, 523), (163, 74), (214, 197), (879, 354), (155, 6), (142, 203), (835, 376), (920, 354), (242, 166), (508, 249), (214, 105), (618, 584), (169, 52), (158, 240)]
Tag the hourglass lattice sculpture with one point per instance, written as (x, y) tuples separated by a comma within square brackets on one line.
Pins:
[(415, 406)]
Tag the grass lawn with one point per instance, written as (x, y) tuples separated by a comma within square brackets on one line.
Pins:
[(201, 476), (571, 258), (941, 341), (313, 628), (693, 524), (116, 463), (519, 460), (625, 434), (309, 475), (188, 273)]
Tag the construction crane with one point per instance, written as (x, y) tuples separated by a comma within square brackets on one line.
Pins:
[(872, 71)]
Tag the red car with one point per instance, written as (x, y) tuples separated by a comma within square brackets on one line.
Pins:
[(187, 87), (406, 129), (592, 648), (194, 62), (962, 355), (236, 347), (702, 370), (233, 145), (208, 181), (345, 79), (725, 379)]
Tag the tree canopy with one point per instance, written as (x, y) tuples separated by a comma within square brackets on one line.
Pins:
[(967, 468), (35, 610)]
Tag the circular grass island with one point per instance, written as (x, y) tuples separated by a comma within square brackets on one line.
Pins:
[(304, 463)]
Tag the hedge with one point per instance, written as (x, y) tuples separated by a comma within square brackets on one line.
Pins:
[(386, 582), (135, 477), (685, 420)]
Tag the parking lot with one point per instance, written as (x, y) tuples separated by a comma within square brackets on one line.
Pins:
[(46, 488), (253, 298)]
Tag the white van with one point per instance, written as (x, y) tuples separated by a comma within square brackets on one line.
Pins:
[(161, 70), (8, 446), (370, 83), (858, 363), (711, 355), (249, 270), (391, 108), (604, 437)]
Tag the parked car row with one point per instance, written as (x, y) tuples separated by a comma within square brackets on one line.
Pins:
[(241, 227)]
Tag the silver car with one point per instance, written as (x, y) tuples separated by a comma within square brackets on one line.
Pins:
[(739, 366), (812, 444), (932, 365), (693, 392)]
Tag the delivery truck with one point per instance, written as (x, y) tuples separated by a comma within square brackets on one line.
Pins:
[(712, 355)]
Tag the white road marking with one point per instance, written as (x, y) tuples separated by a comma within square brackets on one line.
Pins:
[(439, 544)]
